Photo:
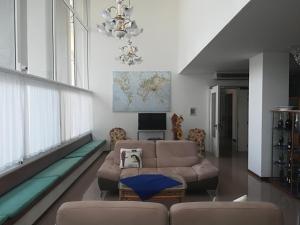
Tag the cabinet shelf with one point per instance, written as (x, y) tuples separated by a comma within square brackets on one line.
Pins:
[(282, 129), (286, 160)]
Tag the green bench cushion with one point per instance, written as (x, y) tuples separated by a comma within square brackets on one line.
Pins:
[(86, 149), (21, 196), (60, 168), (16, 200), (3, 219)]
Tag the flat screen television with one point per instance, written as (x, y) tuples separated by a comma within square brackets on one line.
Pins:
[(152, 121)]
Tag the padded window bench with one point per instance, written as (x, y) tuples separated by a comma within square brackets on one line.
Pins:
[(26, 202)]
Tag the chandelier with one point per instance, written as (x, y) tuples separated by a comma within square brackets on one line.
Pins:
[(129, 55), (118, 23), (295, 51)]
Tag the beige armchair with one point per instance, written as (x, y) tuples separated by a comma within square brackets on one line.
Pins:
[(198, 135), (116, 134)]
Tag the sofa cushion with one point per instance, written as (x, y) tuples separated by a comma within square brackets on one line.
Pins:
[(205, 170), (148, 171), (225, 213), (176, 154), (112, 213), (86, 149), (16, 200), (187, 173), (148, 149), (109, 170), (129, 172), (60, 168), (3, 219)]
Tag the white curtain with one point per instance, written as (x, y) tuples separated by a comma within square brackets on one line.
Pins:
[(11, 120), (86, 113), (76, 113), (42, 119), (36, 116)]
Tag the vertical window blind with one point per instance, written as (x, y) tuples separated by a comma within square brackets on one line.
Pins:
[(43, 118), (36, 116), (76, 113), (11, 121)]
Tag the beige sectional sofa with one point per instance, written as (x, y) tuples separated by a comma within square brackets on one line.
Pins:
[(160, 157), (141, 213)]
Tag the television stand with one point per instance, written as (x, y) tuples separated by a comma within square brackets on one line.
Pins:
[(163, 132)]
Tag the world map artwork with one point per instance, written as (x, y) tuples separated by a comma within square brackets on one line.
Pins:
[(142, 91)]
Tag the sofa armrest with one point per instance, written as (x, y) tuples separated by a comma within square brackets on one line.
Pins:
[(110, 156), (205, 170), (109, 170)]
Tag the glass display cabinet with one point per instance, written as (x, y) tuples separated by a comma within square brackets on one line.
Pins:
[(286, 149)]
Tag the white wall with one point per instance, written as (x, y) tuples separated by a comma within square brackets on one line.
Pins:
[(158, 46), (199, 22), (268, 88)]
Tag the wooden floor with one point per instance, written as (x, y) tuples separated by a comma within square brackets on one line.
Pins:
[(234, 181)]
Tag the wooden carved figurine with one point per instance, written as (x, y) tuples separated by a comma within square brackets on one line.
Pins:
[(176, 127)]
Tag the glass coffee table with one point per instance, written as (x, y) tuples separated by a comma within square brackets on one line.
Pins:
[(176, 193)]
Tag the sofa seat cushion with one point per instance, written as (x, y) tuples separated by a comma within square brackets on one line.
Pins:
[(129, 172), (148, 151), (148, 171), (176, 154), (187, 173), (60, 168), (86, 149), (205, 170), (109, 170), (16, 200)]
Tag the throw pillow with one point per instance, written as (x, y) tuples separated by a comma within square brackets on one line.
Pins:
[(130, 158)]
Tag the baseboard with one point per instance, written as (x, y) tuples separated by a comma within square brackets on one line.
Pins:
[(266, 179), (41, 207)]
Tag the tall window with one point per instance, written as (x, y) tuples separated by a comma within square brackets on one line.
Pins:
[(71, 38), (7, 34), (64, 43), (51, 39), (39, 38)]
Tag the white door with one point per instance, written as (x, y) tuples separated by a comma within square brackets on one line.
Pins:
[(214, 119), (243, 102)]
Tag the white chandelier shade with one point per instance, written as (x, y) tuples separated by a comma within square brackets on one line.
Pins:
[(117, 21), (129, 55)]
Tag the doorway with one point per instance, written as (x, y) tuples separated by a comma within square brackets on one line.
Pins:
[(229, 120)]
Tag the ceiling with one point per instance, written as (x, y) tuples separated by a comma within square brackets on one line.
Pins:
[(261, 26)]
